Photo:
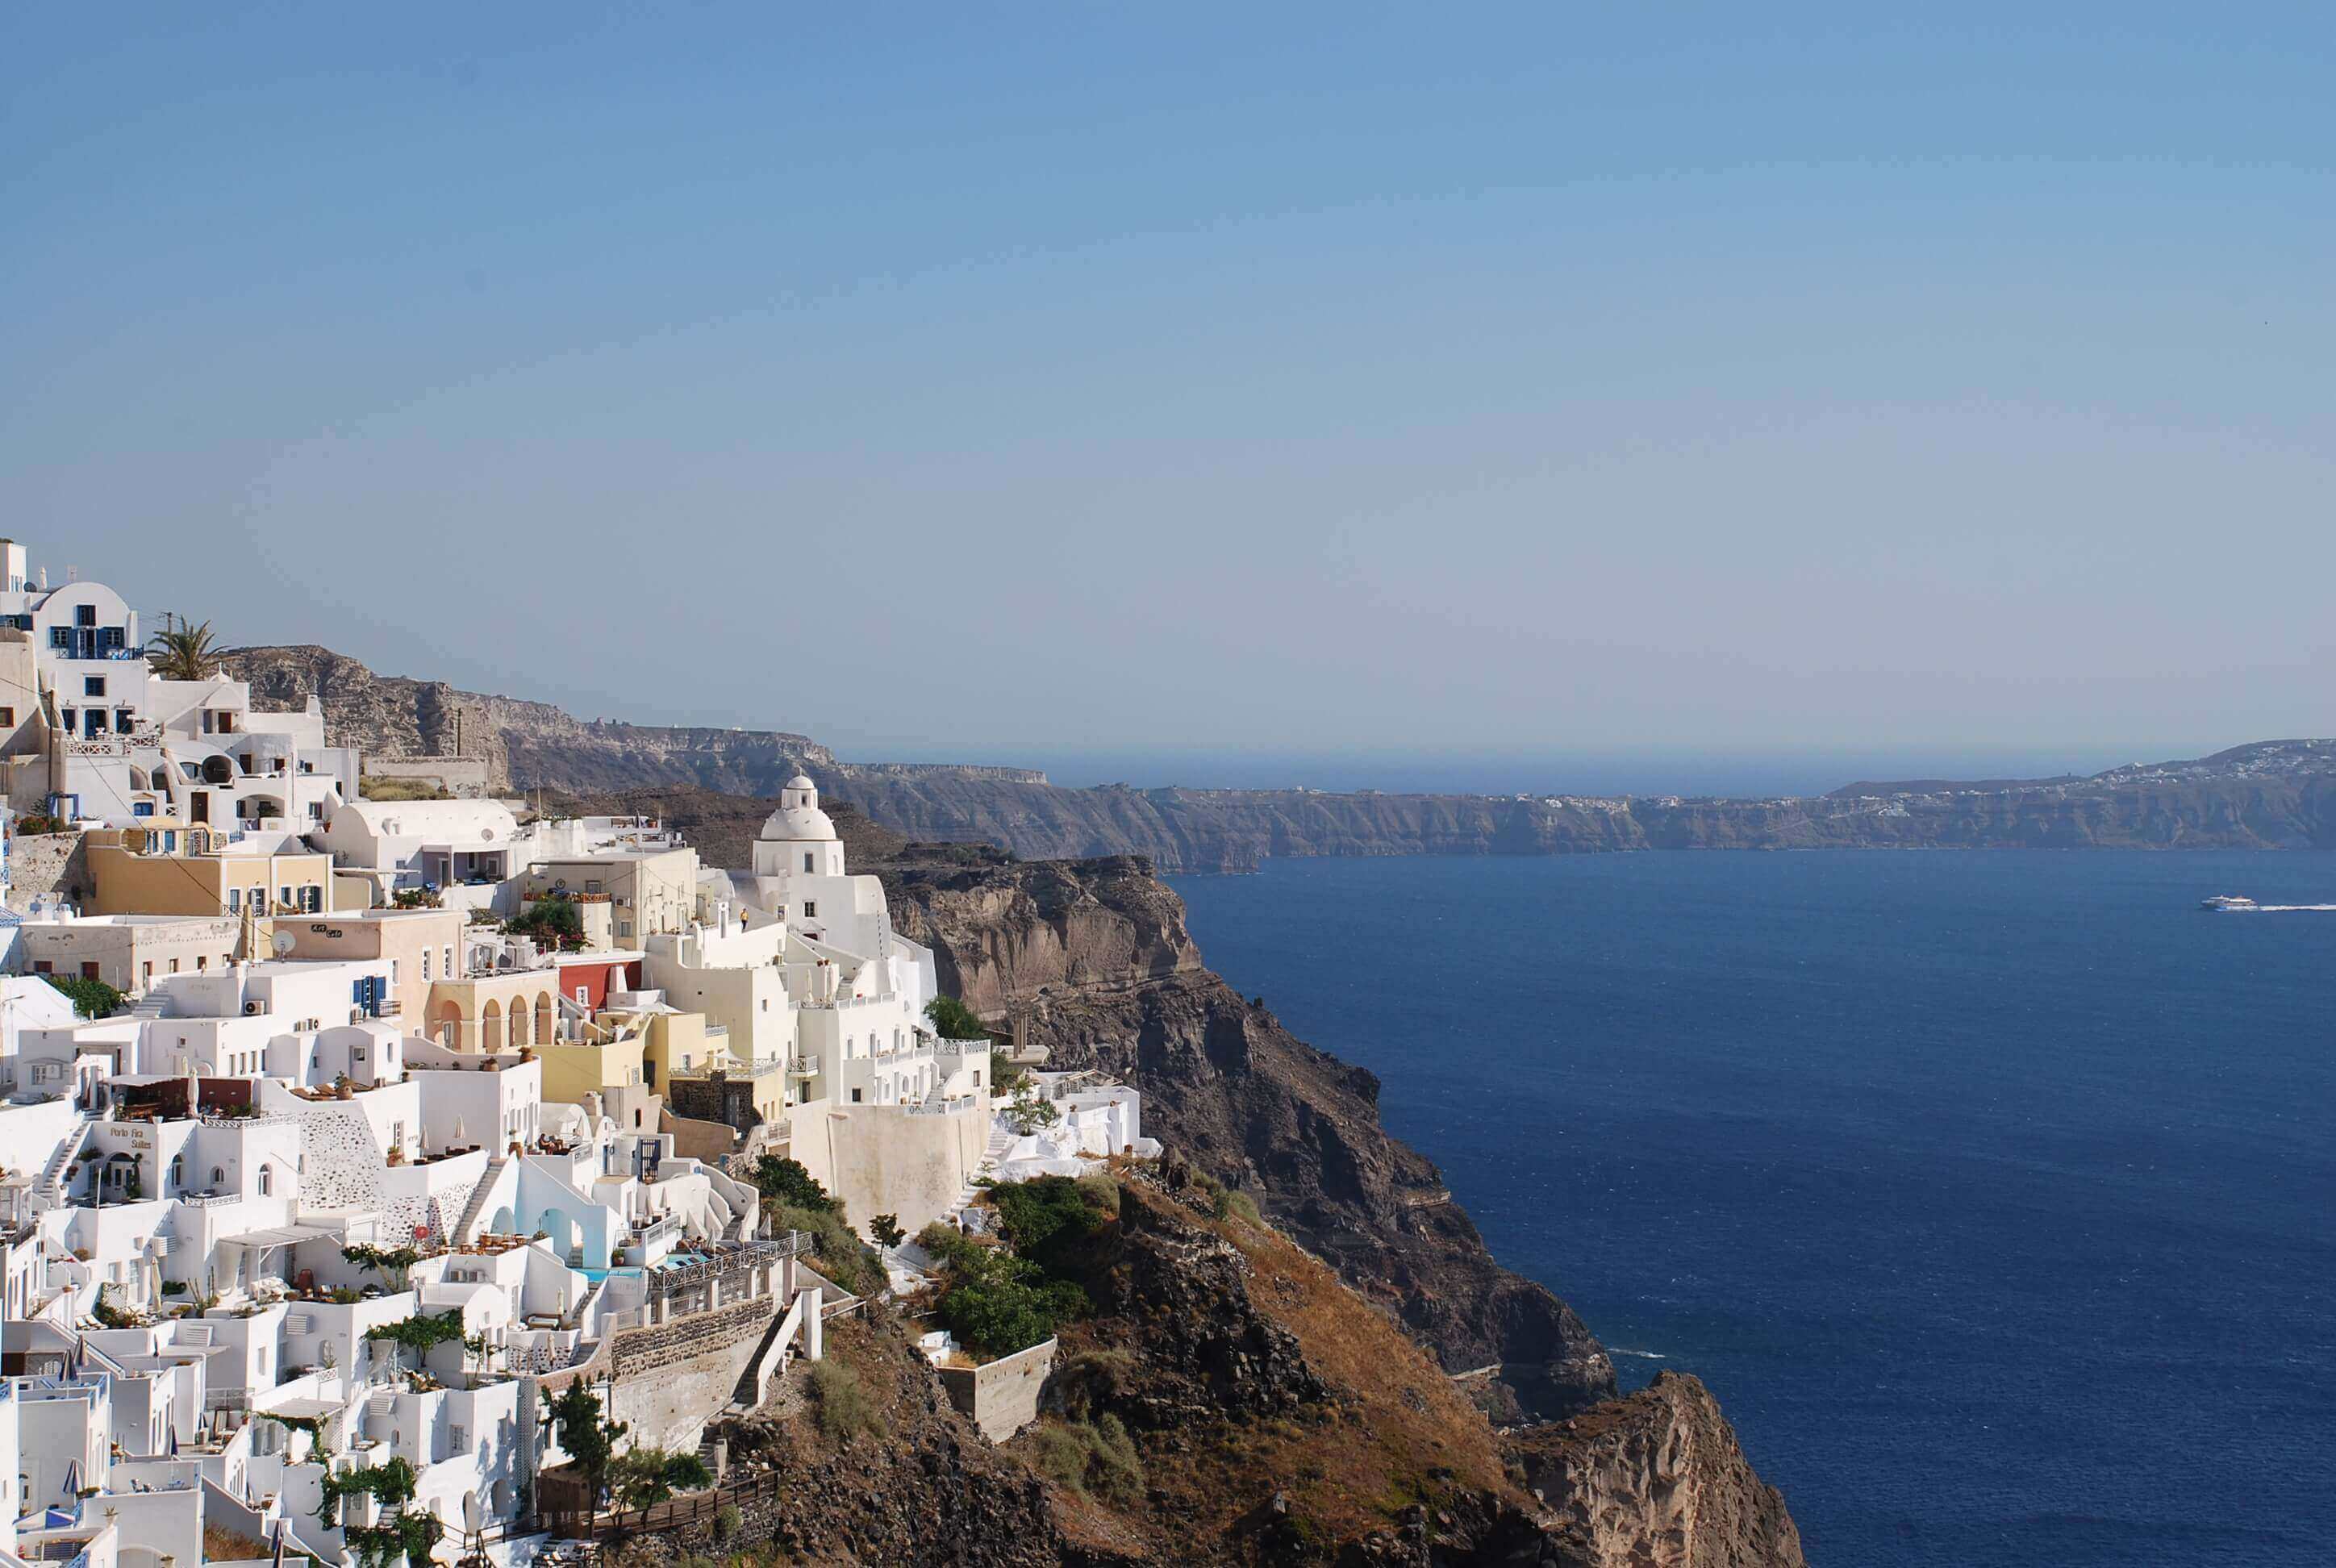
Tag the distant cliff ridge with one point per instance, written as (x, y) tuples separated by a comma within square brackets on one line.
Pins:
[(2272, 795)]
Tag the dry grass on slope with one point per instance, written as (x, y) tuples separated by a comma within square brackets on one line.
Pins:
[(1394, 1434)]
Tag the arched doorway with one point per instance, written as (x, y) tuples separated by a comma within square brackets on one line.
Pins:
[(519, 1031), (504, 1223), (546, 1024), (490, 1026), (562, 1232), (449, 1028)]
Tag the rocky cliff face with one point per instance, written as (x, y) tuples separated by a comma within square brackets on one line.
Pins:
[(1091, 960), (1656, 1481), (2274, 795), (526, 744)]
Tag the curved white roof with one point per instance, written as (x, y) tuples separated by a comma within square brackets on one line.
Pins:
[(452, 821), (799, 818)]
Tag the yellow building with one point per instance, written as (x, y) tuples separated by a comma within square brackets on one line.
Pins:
[(168, 868), (497, 1012), (609, 1059)]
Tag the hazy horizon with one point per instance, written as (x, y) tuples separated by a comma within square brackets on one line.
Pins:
[(1512, 382), (1461, 771)]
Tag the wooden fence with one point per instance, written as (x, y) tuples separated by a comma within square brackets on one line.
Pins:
[(574, 1524)]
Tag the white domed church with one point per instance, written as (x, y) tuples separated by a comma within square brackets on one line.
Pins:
[(798, 839), (798, 877)]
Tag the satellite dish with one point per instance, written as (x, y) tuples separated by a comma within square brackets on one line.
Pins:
[(283, 942), (471, 1513)]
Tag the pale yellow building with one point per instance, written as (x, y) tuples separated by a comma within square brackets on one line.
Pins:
[(167, 868), (496, 1012), (422, 947)]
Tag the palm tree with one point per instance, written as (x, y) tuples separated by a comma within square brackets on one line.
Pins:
[(180, 651)]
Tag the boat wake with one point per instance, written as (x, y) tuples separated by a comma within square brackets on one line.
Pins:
[(2288, 910), (1642, 1355)]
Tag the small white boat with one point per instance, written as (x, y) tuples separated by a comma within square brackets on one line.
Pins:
[(2228, 903)]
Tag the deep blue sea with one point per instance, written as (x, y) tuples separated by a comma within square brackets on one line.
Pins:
[(1991, 1191)]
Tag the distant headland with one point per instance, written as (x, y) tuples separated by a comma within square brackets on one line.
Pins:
[(2269, 794)]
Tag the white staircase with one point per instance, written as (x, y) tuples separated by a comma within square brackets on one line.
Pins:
[(50, 1191), (479, 1195), (582, 1314), (1001, 1138)]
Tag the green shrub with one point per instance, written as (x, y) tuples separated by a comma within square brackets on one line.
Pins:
[(1101, 1192), (727, 1522), (839, 1404), (645, 1477), (553, 920), (1008, 1307), (1093, 1382), (1096, 1457), (789, 1183), (91, 998), (1233, 1205), (1055, 1220), (844, 1257)]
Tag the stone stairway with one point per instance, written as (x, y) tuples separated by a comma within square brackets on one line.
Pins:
[(462, 1227), (50, 1188), (1001, 1139), (582, 1314)]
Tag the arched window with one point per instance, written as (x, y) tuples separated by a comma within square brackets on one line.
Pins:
[(218, 1175), (267, 1181), (178, 1172)]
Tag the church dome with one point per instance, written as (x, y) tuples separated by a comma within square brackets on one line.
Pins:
[(799, 818)]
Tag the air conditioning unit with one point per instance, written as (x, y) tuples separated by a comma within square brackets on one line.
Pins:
[(357, 1015), (253, 1010)]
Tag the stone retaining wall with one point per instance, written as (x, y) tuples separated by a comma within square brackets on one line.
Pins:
[(47, 864), (1002, 1397)]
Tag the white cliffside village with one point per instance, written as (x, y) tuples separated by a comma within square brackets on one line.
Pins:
[(344, 1137)]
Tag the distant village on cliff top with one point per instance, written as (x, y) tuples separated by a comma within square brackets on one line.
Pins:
[(388, 1174)]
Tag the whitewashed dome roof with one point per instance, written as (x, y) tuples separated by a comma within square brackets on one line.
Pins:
[(799, 818)]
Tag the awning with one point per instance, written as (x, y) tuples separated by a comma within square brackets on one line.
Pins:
[(281, 1236)]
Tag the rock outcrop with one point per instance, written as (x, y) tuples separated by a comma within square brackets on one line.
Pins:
[(1091, 960), (1656, 1481)]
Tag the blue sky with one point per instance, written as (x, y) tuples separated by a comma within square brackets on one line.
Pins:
[(1519, 380)]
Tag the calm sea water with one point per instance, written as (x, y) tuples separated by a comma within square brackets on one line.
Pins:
[(1991, 1191)]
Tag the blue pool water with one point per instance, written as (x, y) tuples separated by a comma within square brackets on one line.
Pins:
[(1991, 1191)]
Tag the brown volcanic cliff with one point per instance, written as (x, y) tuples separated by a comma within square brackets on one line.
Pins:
[(1656, 1480), (1091, 960)]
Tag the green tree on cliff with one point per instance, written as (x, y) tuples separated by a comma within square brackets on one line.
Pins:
[(953, 1021), (589, 1441)]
